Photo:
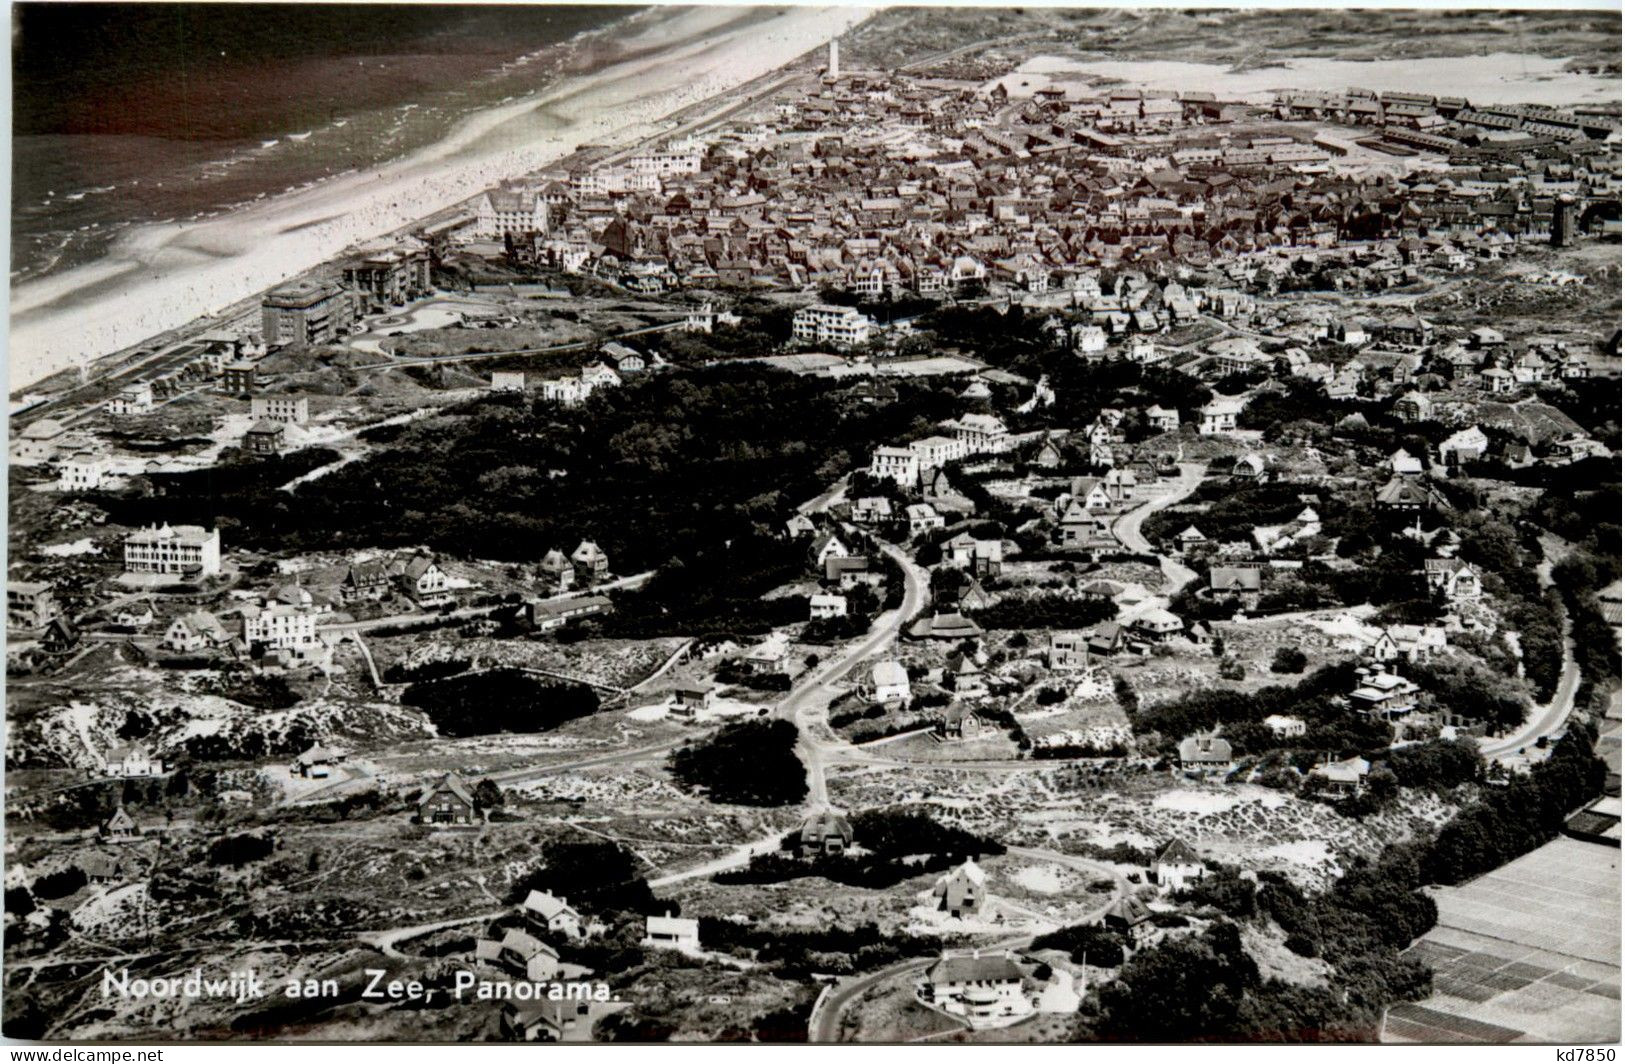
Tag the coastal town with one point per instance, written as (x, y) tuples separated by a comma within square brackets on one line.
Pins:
[(932, 545)]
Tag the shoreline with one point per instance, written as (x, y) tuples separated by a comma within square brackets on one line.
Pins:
[(157, 278), (252, 168)]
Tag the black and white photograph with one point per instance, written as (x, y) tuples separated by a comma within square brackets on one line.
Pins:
[(928, 525)]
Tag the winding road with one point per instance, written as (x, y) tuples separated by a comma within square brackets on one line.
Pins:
[(808, 704)]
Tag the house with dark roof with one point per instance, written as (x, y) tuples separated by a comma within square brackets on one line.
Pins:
[(102, 867), (951, 625), (981, 988), (1130, 916), (1175, 866), (119, 827), (824, 832), (1243, 584), (1410, 495), (366, 581), (447, 801)]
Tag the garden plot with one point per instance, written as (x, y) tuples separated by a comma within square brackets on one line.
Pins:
[(1529, 952)]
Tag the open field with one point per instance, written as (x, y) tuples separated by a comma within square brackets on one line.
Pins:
[(1528, 953)]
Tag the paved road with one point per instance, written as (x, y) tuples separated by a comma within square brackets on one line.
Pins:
[(1544, 721), (1549, 720), (807, 705), (825, 1023), (385, 940), (1127, 527), (618, 757)]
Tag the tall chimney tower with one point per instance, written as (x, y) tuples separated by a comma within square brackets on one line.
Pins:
[(834, 59), (1563, 219)]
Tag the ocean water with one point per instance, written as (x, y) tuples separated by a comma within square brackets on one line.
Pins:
[(134, 113)]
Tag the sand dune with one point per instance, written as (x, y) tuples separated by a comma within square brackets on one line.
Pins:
[(160, 277)]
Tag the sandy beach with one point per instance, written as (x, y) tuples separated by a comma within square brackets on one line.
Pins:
[(160, 277)]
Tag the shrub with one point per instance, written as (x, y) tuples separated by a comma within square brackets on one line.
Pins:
[(1289, 659), (238, 850)]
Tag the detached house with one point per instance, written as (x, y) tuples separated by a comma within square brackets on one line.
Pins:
[(1244, 584), (194, 632), (591, 563), (672, 932), (1176, 866), (1205, 755), (1162, 419), (1131, 917), (1456, 580), (366, 581), (1158, 626), (1219, 416), (555, 572), (962, 892), (980, 988), (828, 546), (1383, 694), (129, 760), (423, 581), (824, 607), (890, 683), (825, 832), (545, 912), (1409, 494), (447, 801), (1342, 778), (1468, 445)]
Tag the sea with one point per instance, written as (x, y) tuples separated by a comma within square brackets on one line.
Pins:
[(128, 114)]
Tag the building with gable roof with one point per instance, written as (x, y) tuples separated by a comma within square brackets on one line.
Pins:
[(962, 892), (447, 801)]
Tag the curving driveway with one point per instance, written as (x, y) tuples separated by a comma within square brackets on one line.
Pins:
[(824, 1025)]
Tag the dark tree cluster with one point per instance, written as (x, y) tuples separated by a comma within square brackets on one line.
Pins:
[(749, 763), (500, 700), (599, 877)]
